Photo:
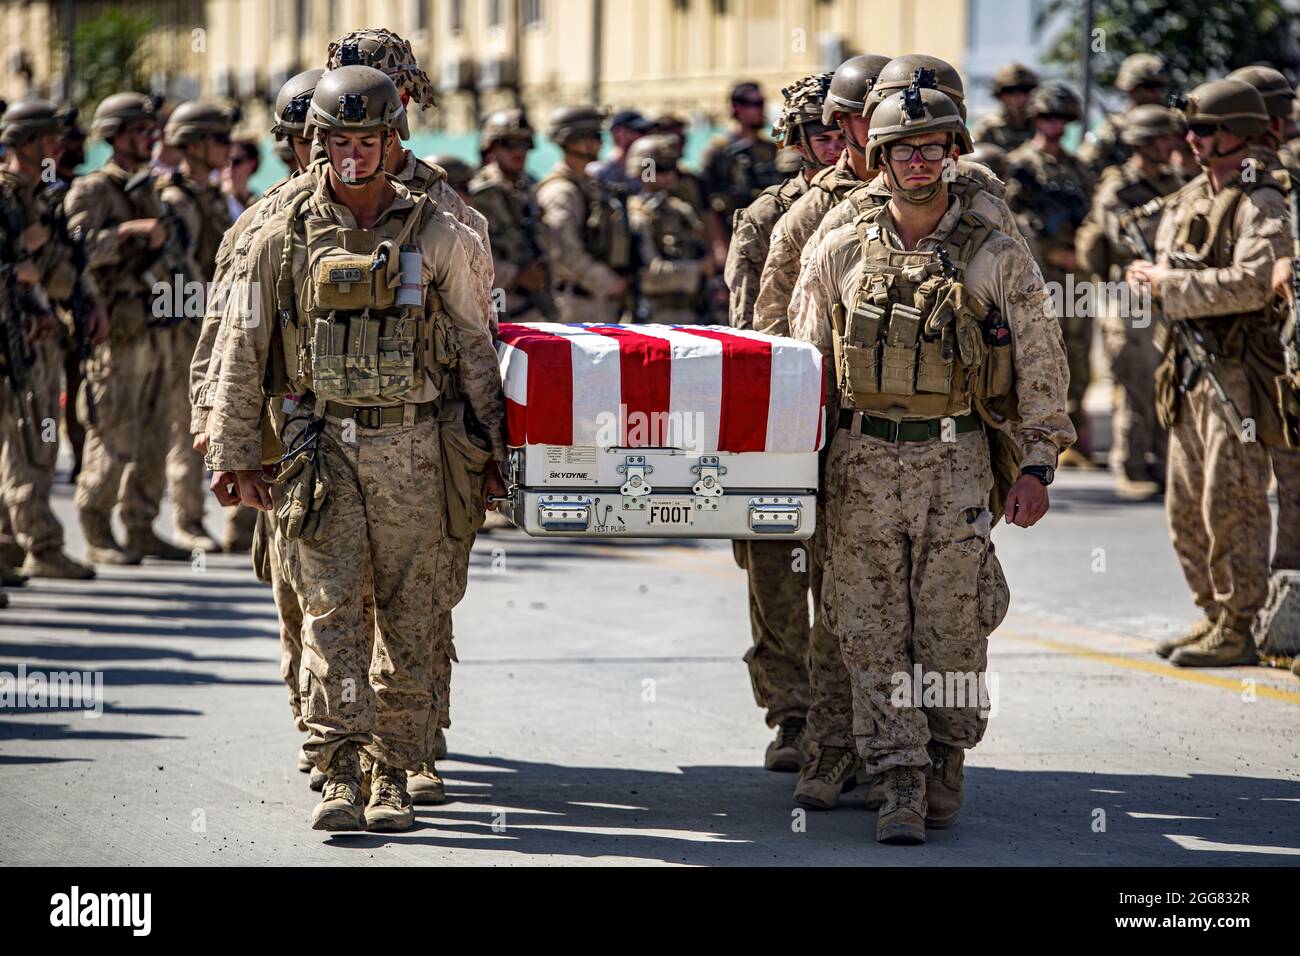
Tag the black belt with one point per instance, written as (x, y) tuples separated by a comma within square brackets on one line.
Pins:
[(377, 416), (893, 431)]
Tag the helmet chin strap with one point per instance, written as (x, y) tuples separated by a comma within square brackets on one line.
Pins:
[(919, 195), (358, 182), (1215, 152)]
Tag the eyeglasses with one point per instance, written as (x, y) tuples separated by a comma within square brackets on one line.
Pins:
[(1203, 130), (930, 152)]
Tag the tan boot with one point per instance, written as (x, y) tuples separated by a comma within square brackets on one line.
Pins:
[(787, 753), (821, 781), (10, 578), (902, 818), (875, 784), (1230, 644), (196, 537), (56, 564), (389, 809), (1198, 630), (101, 548), (944, 780), (1073, 458), (439, 746), (341, 806), (12, 554), (1131, 490), (425, 786), (143, 541)]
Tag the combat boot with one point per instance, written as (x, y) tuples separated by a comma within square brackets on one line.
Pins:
[(305, 763), (1228, 645), (1073, 458), (341, 804), (4, 599), (902, 818), (1295, 666), (875, 784), (143, 541), (10, 578), (425, 785), (100, 546), (821, 781), (12, 554), (237, 539), (1131, 489), (944, 780), (787, 753), (389, 809), (196, 536), (439, 745), (1198, 631), (317, 777), (55, 564)]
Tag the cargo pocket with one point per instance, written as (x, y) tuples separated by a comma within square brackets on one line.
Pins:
[(994, 595), (464, 465)]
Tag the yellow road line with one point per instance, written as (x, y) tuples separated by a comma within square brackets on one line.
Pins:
[(1153, 667)]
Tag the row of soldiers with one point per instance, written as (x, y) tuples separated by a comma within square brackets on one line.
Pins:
[(864, 259)]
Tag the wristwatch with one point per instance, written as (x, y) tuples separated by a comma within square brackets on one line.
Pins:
[(1044, 473)]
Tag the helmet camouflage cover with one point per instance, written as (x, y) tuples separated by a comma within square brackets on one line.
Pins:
[(505, 124), (1234, 104), (803, 105), (293, 101), (926, 71), (384, 50), (357, 99), (851, 83), (29, 119), (1012, 76)]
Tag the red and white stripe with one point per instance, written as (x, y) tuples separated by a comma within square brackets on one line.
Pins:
[(706, 388)]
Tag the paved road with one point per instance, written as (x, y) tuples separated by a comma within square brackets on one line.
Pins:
[(602, 714)]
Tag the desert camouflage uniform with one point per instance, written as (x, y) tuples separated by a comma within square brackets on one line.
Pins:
[(672, 251), (910, 575), (514, 227), (750, 239), (586, 268), (1103, 147), (998, 129), (1050, 197), (385, 490), (1138, 442), (1217, 492), (734, 171)]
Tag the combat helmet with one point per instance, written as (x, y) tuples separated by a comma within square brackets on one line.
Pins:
[(1013, 76), (293, 102), (801, 113), (384, 50), (30, 119), (1233, 104), (915, 110), (116, 111), (851, 83), (1143, 123), (195, 120), (1276, 89), (459, 172), (1055, 99), (355, 99), (993, 156), (659, 149), (1141, 69), (505, 124), (574, 122), (928, 71)]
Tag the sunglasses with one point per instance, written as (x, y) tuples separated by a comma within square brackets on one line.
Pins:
[(514, 144), (757, 103), (1016, 89), (1203, 130), (930, 152), (1056, 116), (221, 139)]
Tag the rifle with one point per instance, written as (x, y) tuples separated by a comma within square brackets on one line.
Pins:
[(530, 224), (15, 350), (173, 250), (82, 349), (1200, 360), (1291, 331), (1057, 205)]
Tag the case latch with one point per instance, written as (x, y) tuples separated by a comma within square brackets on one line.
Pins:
[(775, 515), (708, 489), (564, 512), (635, 490)]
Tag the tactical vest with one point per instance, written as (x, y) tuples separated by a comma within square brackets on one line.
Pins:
[(349, 340), (208, 241), (916, 344), (783, 194), (606, 236)]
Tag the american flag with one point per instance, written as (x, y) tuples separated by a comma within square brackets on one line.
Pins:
[(748, 391)]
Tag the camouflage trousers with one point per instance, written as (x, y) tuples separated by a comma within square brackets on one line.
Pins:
[(167, 452), (778, 619), (911, 583), (1077, 332), (1286, 471), (385, 500), (125, 379), (284, 567), (1138, 442), (830, 707), (25, 483), (1216, 499), (581, 308)]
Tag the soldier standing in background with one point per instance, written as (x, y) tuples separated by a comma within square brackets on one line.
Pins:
[(1049, 191), (1215, 248), (1137, 452), (72, 155), (1144, 77), (624, 129), (586, 227), (507, 198), (459, 174), (198, 210), (689, 186), (31, 130), (1010, 125), (736, 168), (673, 258)]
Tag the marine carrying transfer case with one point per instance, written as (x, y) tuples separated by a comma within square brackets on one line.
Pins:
[(661, 431)]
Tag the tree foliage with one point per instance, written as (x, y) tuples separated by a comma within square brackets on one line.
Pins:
[(110, 55)]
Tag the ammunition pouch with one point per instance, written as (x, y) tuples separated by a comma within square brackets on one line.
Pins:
[(465, 460), (261, 548)]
